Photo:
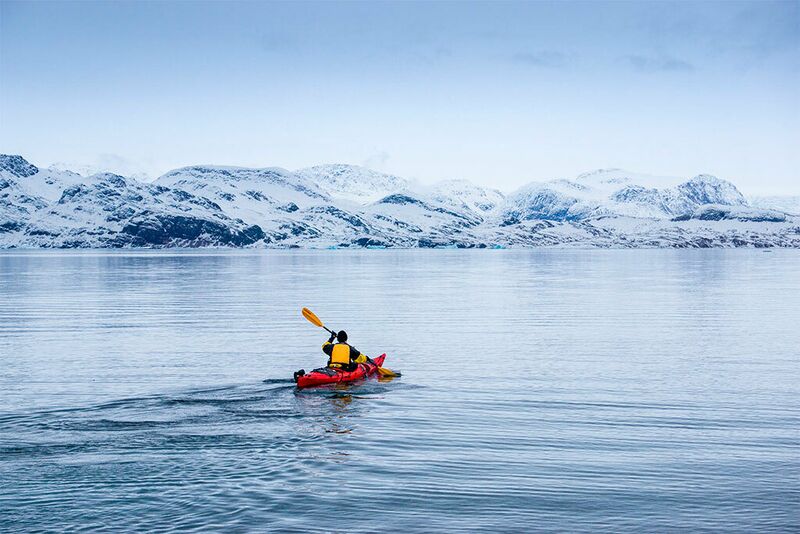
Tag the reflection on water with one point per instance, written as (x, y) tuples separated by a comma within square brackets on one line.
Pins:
[(542, 390)]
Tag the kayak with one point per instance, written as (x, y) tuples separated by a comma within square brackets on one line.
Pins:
[(326, 375)]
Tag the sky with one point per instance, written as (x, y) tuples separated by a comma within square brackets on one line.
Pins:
[(497, 93)]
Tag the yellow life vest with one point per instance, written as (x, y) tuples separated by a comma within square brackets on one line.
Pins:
[(340, 354)]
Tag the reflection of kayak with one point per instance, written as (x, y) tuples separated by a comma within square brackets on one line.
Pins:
[(326, 375)]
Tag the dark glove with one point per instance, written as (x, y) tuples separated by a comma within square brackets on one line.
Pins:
[(333, 336)]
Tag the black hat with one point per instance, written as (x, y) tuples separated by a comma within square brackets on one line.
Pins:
[(341, 337)]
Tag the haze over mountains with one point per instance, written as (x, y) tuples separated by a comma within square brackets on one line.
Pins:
[(349, 206)]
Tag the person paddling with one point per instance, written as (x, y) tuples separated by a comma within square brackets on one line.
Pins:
[(340, 354)]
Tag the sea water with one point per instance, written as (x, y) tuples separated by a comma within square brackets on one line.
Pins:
[(569, 390)]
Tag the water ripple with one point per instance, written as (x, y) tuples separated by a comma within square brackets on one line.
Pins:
[(576, 391)]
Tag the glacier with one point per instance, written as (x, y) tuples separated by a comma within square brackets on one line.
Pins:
[(339, 206)]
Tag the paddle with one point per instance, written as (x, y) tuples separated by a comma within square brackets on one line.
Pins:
[(313, 319)]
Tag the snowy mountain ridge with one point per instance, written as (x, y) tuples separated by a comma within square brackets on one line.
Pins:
[(344, 205), (349, 182)]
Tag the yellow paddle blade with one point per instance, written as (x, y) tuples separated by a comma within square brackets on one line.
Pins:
[(313, 319), (383, 371)]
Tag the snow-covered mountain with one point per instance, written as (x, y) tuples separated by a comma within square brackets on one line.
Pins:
[(463, 194), (356, 184), (44, 183), (255, 195), (615, 192), (344, 205), (50, 208)]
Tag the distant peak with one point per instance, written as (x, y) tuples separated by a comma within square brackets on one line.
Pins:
[(706, 178), (353, 183), (337, 166), (345, 169), (232, 168), (17, 165), (598, 172), (229, 172)]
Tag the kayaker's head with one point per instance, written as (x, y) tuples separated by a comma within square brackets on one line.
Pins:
[(341, 337)]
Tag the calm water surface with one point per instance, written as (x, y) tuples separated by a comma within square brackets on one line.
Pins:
[(541, 390)]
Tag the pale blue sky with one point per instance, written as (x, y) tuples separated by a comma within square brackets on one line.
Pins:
[(498, 93)]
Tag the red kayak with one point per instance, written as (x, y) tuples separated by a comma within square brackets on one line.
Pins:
[(326, 375)]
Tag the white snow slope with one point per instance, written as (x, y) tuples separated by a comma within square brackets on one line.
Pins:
[(346, 206)]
